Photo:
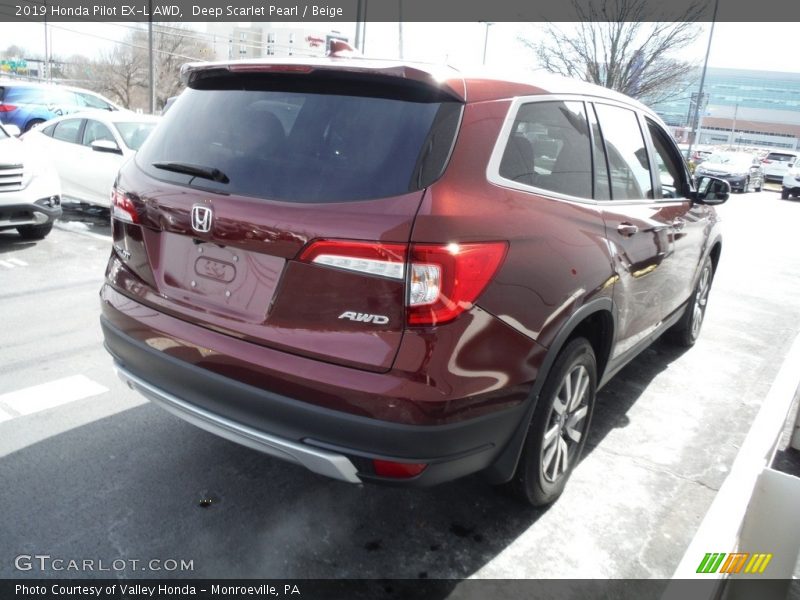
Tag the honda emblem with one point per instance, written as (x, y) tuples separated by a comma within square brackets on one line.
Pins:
[(201, 218)]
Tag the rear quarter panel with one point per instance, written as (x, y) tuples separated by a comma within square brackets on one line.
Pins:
[(558, 258)]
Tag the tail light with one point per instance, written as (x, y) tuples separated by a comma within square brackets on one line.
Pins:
[(7, 107), (443, 280), (122, 207), (371, 258)]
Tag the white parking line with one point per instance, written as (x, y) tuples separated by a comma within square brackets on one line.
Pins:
[(6, 265), (37, 398), (18, 262)]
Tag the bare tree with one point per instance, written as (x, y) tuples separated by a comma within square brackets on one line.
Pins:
[(123, 73), (618, 44), (119, 73)]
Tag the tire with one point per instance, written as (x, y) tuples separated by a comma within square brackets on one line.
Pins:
[(784, 194), (686, 331), (559, 427), (32, 123), (34, 232)]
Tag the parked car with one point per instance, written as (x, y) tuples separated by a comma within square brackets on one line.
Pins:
[(791, 182), (27, 104), (30, 196), (776, 164), (741, 169), (416, 276), (88, 149)]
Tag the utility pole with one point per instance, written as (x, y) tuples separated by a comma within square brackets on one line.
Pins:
[(400, 27), (486, 39), (46, 46), (696, 119), (361, 27), (733, 129), (152, 61)]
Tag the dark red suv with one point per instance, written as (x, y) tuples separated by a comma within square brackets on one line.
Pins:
[(390, 272)]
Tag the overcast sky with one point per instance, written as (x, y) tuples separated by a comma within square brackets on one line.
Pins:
[(762, 46)]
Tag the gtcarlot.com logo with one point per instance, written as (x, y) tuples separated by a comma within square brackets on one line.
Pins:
[(45, 562)]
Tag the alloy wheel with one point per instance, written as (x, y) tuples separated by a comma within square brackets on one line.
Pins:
[(566, 424), (700, 300)]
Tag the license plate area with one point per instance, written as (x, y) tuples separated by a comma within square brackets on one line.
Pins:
[(222, 279)]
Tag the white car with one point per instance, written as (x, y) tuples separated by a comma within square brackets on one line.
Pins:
[(30, 195), (88, 149), (776, 164), (791, 182)]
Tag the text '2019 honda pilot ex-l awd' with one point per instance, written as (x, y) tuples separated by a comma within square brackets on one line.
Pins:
[(389, 272)]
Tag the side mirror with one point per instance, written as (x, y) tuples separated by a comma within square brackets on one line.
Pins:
[(711, 190), (106, 146), (12, 130)]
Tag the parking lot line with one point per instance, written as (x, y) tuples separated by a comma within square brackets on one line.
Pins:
[(40, 397), (18, 262)]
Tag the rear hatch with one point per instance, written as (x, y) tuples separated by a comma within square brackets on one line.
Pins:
[(277, 205)]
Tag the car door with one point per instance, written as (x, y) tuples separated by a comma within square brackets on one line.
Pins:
[(689, 220), (639, 229), (63, 147), (97, 170)]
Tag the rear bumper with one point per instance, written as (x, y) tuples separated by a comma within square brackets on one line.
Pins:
[(330, 442), (319, 461)]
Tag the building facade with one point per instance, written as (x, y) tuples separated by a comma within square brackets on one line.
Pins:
[(230, 41), (741, 107)]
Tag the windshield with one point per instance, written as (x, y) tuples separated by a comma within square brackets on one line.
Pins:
[(304, 145), (134, 134)]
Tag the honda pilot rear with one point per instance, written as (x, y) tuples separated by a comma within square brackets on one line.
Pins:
[(395, 273)]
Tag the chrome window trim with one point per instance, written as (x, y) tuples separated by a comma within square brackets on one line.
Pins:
[(493, 167)]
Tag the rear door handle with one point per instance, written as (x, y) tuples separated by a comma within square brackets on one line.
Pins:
[(627, 229)]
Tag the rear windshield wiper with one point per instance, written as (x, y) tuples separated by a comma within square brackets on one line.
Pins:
[(196, 170)]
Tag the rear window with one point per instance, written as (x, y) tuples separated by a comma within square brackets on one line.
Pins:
[(320, 141), (780, 157)]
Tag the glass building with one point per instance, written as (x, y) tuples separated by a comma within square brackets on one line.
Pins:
[(756, 108)]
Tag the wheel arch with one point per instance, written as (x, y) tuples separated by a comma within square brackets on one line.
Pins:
[(596, 322)]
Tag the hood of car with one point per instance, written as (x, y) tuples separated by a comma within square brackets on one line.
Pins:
[(716, 168), (12, 152)]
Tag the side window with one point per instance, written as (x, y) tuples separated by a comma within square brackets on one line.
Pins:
[(92, 101), (627, 156), (68, 130), (94, 131), (670, 167), (549, 148), (49, 130)]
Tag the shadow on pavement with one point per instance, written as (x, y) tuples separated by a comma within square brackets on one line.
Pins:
[(143, 484)]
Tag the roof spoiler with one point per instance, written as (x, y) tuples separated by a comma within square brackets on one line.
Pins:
[(341, 57)]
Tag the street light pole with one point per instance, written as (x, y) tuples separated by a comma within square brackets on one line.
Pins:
[(696, 119), (486, 40), (46, 45), (152, 61)]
